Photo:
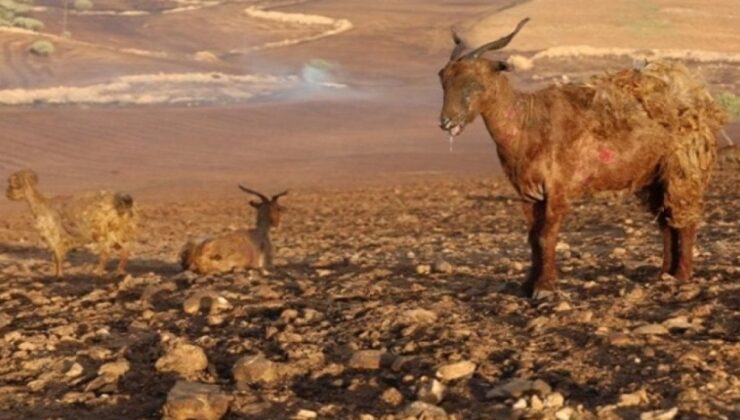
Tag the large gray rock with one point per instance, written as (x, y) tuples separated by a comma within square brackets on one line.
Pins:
[(255, 369)]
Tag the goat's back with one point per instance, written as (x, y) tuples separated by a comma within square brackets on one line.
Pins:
[(223, 253), (101, 216)]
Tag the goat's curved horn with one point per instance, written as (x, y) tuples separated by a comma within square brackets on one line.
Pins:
[(250, 191), (497, 44), (459, 46), (276, 196)]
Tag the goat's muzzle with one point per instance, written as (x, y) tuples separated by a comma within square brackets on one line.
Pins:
[(452, 127)]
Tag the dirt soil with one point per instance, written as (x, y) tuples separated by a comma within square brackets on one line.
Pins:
[(425, 274)]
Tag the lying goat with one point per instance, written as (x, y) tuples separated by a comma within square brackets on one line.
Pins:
[(105, 219), (651, 131), (245, 248)]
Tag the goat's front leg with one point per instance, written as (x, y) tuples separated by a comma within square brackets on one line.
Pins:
[(670, 246), (685, 263), (544, 218), (102, 261), (59, 263), (122, 261)]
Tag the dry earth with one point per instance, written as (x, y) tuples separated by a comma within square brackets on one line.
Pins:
[(423, 275)]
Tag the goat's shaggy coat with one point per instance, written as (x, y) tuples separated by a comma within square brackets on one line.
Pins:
[(649, 130), (105, 219)]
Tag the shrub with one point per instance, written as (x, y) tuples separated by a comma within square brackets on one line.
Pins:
[(83, 5), (730, 103), (28, 23), (42, 48)]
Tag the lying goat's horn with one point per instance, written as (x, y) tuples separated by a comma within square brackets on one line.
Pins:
[(250, 191), (497, 44), (276, 196)]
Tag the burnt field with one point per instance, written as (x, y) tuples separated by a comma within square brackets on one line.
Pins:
[(381, 297)]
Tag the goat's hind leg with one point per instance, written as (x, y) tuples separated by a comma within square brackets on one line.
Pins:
[(123, 256), (102, 261), (684, 266)]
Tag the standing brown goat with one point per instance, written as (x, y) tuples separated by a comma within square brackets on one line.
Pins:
[(245, 248), (651, 131), (103, 218)]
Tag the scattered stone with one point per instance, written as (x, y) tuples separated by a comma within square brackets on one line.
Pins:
[(431, 391), (680, 323), (564, 413), (554, 400), (306, 414), (418, 316), (651, 329), (562, 307), (190, 400), (216, 303), (691, 357), (108, 373), (619, 339), (634, 398), (520, 404), (255, 369), (367, 359), (619, 252), (442, 266), (456, 370), (513, 388), (541, 387), (420, 409), (660, 414), (536, 403), (184, 359), (392, 397), (74, 371), (423, 269)]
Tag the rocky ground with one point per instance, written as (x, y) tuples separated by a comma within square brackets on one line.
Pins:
[(390, 302)]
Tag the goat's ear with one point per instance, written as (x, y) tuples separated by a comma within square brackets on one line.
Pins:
[(255, 204)]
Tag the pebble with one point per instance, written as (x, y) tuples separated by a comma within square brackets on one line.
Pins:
[(255, 369), (536, 403), (431, 391), (619, 339), (520, 404), (392, 397), (554, 400), (634, 398), (306, 414), (619, 252), (442, 266), (74, 371), (420, 409), (651, 329), (366, 359), (423, 269), (563, 306), (660, 414), (514, 388), (541, 387), (184, 359), (418, 316), (564, 413), (190, 400), (456, 370)]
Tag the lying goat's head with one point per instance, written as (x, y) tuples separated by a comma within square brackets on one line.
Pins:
[(20, 183), (268, 209), (464, 80)]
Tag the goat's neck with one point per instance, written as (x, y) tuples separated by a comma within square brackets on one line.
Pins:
[(263, 225), (506, 113), (38, 204)]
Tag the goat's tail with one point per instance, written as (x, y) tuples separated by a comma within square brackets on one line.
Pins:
[(694, 119)]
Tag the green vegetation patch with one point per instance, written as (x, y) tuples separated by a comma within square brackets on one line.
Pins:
[(42, 48)]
